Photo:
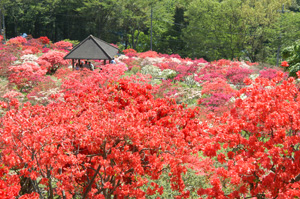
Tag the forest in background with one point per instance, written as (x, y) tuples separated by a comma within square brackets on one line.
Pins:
[(210, 29)]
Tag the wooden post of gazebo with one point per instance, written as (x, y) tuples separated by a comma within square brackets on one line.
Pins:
[(72, 64)]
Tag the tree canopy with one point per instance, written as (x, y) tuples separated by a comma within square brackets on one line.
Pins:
[(212, 29)]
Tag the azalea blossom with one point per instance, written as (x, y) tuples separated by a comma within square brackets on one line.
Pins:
[(285, 64)]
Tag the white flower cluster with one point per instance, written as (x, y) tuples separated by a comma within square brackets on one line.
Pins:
[(152, 70), (156, 72), (254, 76), (168, 74), (122, 57), (29, 58), (152, 61), (176, 60), (190, 80)]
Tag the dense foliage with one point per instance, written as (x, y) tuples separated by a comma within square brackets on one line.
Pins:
[(292, 56)]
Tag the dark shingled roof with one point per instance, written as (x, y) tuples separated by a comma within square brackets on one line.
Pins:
[(92, 48)]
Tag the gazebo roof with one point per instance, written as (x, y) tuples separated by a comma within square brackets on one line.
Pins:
[(93, 48)]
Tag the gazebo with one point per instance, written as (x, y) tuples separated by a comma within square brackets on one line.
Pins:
[(92, 48)]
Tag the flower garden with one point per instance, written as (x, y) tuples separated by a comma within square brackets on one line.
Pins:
[(151, 126)]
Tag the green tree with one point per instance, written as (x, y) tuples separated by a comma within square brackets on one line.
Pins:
[(232, 28), (215, 30)]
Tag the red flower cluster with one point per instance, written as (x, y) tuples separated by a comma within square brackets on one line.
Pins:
[(102, 140), (44, 40), (17, 41), (285, 64), (63, 45)]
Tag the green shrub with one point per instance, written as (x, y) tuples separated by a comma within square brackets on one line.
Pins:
[(74, 42), (291, 54), (168, 74)]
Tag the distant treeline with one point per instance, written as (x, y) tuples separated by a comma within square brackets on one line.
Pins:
[(212, 29)]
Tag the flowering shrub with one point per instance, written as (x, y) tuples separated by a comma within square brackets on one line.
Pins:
[(269, 73), (9, 184), (30, 50), (26, 76), (131, 62), (44, 40), (154, 71), (17, 41), (29, 58), (237, 74), (168, 74), (10, 100), (41, 94), (111, 138), (102, 135), (55, 60), (45, 50), (63, 73), (259, 136), (129, 51), (36, 43), (148, 54), (63, 45), (185, 70), (210, 72), (8, 55), (216, 95), (1, 38), (115, 45)]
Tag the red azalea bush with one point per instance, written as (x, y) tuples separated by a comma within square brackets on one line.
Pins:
[(216, 95), (44, 40), (63, 45), (269, 73), (237, 74), (26, 75), (148, 54), (130, 52), (30, 50), (101, 141), (34, 43), (17, 41), (260, 143), (45, 50), (9, 184), (54, 58), (210, 72), (1, 38), (8, 55), (185, 70), (131, 62), (63, 73), (167, 89), (43, 91)]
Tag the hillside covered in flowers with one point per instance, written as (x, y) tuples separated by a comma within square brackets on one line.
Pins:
[(150, 126)]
